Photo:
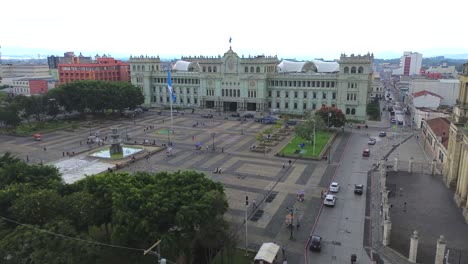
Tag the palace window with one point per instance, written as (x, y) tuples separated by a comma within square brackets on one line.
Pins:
[(295, 105), (258, 69), (324, 95), (353, 69), (314, 106), (361, 70), (353, 111), (295, 94), (278, 94), (287, 94), (314, 95), (305, 94), (348, 111), (246, 69), (333, 95), (286, 105)]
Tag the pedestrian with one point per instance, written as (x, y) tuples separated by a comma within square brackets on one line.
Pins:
[(45, 149), (73, 153), (63, 154), (206, 148), (289, 162), (222, 149), (298, 224), (80, 142), (219, 171), (68, 154), (283, 165), (254, 204), (321, 194), (27, 158)]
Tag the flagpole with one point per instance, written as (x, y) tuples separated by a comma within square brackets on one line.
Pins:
[(172, 128)]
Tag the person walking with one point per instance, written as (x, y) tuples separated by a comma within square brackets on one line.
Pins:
[(283, 165)]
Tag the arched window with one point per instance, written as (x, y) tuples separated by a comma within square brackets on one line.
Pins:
[(252, 69), (222, 92), (346, 69), (347, 111), (214, 69), (238, 93), (258, 69), (143, 68), (353, 69), (204, 68), (138, 67), (361, 70), (209, 68), (353, 111), (134, 68), (152, 67), (246, 69)]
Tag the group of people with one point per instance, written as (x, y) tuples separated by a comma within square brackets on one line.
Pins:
[(218, 170)]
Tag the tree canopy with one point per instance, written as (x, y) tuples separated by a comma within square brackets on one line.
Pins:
[(183, 209)]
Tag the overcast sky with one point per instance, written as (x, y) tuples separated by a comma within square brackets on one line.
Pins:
[(302, 29)]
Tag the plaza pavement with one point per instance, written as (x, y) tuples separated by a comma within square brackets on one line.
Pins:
[(260, 176)]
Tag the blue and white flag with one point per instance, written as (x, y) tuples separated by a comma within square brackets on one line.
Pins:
[(169, 84), (230, 39)]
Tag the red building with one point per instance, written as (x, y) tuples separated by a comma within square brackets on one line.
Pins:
[(38, 86), (104, 69)]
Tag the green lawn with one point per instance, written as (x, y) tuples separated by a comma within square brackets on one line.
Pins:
[(322, 138), (39, 127), (234, 256)]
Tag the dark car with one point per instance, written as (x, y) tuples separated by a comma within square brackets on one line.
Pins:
[(291, 122), (207, 116), (248, 116), (258, 119), (315, 243), (366, 153), (235, 115), (358, 188), (382, 134)]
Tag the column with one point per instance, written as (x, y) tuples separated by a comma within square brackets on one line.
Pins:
[(395, 167), (413, 250), (410, 165), (440, 250), (386, 209), (387, 232), (433, 166)]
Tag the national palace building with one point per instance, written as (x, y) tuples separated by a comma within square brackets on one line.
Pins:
[(259, 83)]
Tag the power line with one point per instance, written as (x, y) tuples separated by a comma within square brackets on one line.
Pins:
[(76, 239)]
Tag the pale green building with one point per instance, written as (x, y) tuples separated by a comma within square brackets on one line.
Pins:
[(230, 83)]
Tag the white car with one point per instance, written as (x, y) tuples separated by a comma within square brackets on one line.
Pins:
[(334, 187), (329, 200)]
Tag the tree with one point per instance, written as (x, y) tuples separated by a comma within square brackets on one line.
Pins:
[(306, 129), (337, 118)]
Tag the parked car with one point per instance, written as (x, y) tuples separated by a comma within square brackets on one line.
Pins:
[(258, 119), (382, 134), (315, 243), (207, 115), (358, 188), (291, 122), (248, 115), (334, 187), (366, 153), (372, 141), (235, 115), (329, 200)]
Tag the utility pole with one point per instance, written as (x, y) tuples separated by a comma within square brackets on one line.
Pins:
[(246, 209)]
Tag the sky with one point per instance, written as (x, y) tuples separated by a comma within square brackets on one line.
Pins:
[(300, 29)]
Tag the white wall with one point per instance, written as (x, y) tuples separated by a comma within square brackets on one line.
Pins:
[(428, 101), (447, 88)]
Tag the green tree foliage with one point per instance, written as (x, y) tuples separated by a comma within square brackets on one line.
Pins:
[(336, 119), (373, 111), (306, 129), (184, 209), (97, 96)]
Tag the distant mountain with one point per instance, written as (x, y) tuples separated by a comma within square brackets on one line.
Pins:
[(457, 56)]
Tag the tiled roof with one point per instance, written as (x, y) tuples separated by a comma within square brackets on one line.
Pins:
[(441, 127), (424, 92)]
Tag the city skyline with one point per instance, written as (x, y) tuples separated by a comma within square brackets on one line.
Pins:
[(185, 28)]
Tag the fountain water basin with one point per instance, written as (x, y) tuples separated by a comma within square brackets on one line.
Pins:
[(126, 151)]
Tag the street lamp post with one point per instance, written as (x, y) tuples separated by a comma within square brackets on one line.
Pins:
[(291, 212), (313, 149), (329, 115), (213, 134)]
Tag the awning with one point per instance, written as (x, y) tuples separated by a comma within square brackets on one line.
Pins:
[(267, 252)]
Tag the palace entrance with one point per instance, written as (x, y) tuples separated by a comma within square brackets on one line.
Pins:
[(209, 104), (251, 106), (230, 107)]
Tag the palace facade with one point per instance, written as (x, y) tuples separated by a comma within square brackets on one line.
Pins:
[(261, 83)]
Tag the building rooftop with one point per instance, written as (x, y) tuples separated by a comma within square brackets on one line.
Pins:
[(441, 127), (425, 93)]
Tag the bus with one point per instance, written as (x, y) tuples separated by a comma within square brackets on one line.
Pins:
[(400, 119)]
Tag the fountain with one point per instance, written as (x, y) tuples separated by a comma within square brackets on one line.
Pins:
[(115, 148)]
